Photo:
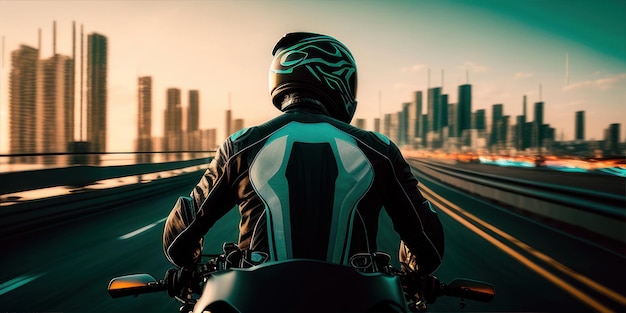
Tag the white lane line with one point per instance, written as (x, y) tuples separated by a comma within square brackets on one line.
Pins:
[(17, 282), (141, 230)]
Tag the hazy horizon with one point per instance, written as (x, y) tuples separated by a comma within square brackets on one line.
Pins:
[(574, 52)]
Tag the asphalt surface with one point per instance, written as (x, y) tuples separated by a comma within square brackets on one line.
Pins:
[(534, 268)]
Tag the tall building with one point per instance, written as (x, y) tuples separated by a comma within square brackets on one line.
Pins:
[(580, 125), (97, 66), (229, 123), (144, 120), (497, 127), (434, 109), (238, 124), (416, 104), (55, 106), (194, 141), (387, 125), (193, 112), (403, 124), (434, 103), (612, 140), (452, 119), (360, 123), (424, 130), (464, 109), (22, 103), (522, 135), (173, 126), (479, 120), (443, 111), (538, 127), (411, 120)]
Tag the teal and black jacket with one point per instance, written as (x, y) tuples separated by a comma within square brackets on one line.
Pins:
[(308, 186)]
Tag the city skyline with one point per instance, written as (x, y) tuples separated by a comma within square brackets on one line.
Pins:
[(582, 76)]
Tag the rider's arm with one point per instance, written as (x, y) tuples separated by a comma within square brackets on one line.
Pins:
[(413, 217), (210, 199)]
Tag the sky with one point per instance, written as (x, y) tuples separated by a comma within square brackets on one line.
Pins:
[(570, 54)]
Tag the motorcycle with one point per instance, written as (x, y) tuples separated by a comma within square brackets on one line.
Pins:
[(240, 281)]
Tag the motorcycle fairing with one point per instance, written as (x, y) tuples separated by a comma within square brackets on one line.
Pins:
[(301, 285)]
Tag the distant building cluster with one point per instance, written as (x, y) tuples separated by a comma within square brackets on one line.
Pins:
[(42, 106), (455, 128), (42, 102), (177, 137)]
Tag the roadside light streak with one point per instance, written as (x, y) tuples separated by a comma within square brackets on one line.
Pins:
[(530, 264), (141, 230), (17, 282)]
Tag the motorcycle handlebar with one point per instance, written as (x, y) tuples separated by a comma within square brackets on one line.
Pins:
[(429, 286)]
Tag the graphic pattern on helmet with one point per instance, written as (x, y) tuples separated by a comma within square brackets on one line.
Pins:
[(327, 60)]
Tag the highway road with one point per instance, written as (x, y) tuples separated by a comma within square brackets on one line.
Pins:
[(535, 268)]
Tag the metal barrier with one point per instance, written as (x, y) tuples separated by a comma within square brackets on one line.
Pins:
[(603, 214), (84, 194)]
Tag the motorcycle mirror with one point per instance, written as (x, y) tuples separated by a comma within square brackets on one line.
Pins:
[(470, 289), (132, 285)]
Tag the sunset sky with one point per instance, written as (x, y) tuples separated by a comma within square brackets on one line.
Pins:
[(575, 50)]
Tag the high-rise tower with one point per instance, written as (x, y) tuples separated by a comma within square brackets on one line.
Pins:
[(464, 113), (538, 129), (580, 125), (173, 121), (22, 103), (497, 131), (55, 109), (144, 119), (97, 61), (193, 112)]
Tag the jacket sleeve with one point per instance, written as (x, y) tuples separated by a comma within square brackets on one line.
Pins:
[(414, 219), (209, 200)]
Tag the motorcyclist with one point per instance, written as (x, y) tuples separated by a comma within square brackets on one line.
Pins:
[(306, 183)]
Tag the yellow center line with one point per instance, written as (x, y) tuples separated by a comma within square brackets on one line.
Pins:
[(522, 259)]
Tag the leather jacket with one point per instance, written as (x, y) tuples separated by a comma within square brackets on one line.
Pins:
[(308, 186)]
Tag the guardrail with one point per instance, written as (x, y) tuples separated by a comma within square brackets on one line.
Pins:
[(83, 196), (600, 213)]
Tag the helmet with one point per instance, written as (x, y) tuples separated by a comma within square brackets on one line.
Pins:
[(316, 64)]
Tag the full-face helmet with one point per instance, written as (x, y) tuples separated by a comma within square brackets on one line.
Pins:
[(316, 64)]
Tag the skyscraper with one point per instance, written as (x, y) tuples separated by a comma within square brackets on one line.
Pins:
[(360, 123), (521, 137), (612, 140), (416, 103), (55, 107), (144, 119), (497, 131), (479, 120), (538, 133), (403, 124), (443, 111), (229, 123), (464, 109), (580, 125), (193, 121), (452, 120), (22, 103), (193, 113), (173, 121), (97, 62), (434, 109)]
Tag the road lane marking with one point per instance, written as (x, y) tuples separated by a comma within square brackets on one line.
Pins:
[(17, 282), (530, 264), (141, 230)]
